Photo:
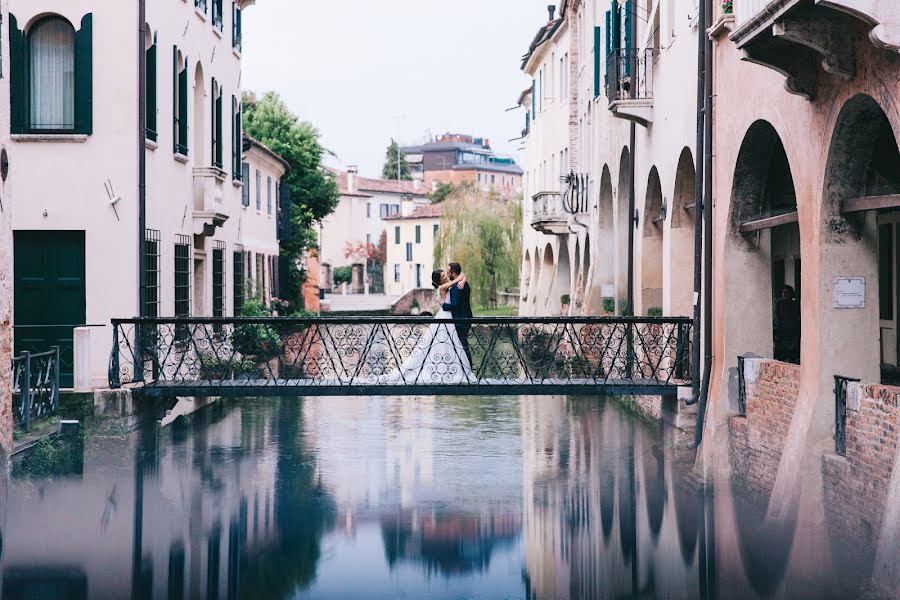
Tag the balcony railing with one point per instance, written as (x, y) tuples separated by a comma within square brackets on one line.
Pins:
[(629, 74)]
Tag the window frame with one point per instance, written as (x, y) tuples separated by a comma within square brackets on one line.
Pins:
[(29, 76)]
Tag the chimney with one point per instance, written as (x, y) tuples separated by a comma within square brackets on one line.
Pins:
[(552, 10), (351, 178)]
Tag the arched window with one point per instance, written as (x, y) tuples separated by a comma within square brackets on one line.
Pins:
[(51, 44)]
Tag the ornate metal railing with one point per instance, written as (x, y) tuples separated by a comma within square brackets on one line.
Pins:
[(840, 413), (629, 74), (36, 382), (742, 388), (576, 196), (400, 356)]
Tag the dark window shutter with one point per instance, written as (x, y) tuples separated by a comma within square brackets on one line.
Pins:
[(616, 26), (84, 76), (629, 25), (218, 154), (597, 60), (151, 93), (245, 177), (18, 69), (284, 211), (175, 99), (183, 108), (533, 98), (608, 42)]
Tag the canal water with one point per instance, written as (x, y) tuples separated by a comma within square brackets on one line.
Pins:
[(432, 498)]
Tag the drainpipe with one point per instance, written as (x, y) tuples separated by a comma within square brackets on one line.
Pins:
[(698, 211), (629, 311), (142, 157), (707, 223)]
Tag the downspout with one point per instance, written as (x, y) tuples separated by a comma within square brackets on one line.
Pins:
[(698, 215), (707, 224), (142, 157), (629, 310)]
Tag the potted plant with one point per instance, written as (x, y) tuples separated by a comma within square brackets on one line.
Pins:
[(655, 311), (565, 300), (609, 306), (414, 307), (727, 6)]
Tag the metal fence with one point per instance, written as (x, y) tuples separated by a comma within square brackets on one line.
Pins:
[(742, 388), (36, 382), (629, 74), (401, 356), (840, 413)]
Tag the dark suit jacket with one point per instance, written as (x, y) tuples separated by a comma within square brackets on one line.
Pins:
[(460, 304)]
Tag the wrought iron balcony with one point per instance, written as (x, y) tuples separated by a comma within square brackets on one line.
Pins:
[(548, 214), (802, 39), (629, 84)]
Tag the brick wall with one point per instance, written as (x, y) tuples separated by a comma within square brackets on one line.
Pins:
[(311, 285), (856, 486), (425, 297), (757, 440)]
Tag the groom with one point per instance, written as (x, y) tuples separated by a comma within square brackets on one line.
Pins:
[(460, 307)]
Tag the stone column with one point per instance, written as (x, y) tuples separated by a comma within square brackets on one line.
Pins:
[(358, 282), (327, 277)]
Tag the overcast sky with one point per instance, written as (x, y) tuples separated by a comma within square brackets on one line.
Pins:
[(363, 71)]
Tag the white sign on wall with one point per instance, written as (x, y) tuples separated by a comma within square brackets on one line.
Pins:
[(608, 290), (849, 292)]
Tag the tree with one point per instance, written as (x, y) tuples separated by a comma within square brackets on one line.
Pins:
[(314, 192), (441, 192), (483, 233), (392, 158)]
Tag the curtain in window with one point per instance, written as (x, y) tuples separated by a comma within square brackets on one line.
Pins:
[(53, 75)]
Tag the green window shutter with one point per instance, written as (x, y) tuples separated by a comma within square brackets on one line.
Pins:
[(151, 93), (616, 27), (596, 61), (608, 42), (213, 140), (219, 144), (175, 99), (18, 87), (84, 76), (629, 8), (183, 109)]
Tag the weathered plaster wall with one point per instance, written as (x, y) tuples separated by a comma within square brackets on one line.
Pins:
[(757, 440), (6, 269)]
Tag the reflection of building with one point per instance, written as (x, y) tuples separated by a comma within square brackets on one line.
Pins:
[(411, 245), (456, 158)]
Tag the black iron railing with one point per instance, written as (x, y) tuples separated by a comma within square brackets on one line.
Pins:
[(840, 413), (363, 356), (575, 197), (36, 383), (629, 74), (742, 388)]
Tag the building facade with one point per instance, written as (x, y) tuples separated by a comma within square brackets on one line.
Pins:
[(78, 238), (457, 158), (412, 241), (6, 265), (361, 217)]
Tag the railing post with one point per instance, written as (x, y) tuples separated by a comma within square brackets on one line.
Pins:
[(26, 393), (55, 391), (114, 378), (629, 350), (742, 388), (840, 413)]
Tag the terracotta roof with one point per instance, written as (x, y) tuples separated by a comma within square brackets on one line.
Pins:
[(384, 186), (429, 211)]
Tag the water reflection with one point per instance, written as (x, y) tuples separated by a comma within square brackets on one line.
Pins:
[(538, 498)]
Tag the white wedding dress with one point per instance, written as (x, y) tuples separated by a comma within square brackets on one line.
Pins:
[(437, 357)]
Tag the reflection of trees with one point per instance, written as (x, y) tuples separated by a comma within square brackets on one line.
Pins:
[(303, 512), (447, 544)]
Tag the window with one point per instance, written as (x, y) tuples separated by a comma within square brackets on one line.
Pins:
[(418, 234), (396, 273), (368, 239), (383, 210), (180, 104), (409, 251), (418, 276), (217, 14), (201, 4), (368, 210), (269, 195), (182, 283), (45, 93), (258, 191), (236, 140), (216, 121), (395, 210), (493, 179), (397, 234), (245, 177), (150, 91), (218, 279), (436, 229), (236, 27), (151, 295), (238, 284)]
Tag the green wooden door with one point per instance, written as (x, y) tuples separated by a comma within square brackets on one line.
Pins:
[(49, 293)]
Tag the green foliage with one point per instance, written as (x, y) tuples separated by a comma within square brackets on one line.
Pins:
[(343, 275), (314, 192), (565, 299), (655, 311), (304, 314), (483, 233), (441, 192), (623, 306), (51, 457), (609, 306), (256, 341), (392, 157), (215, 368)]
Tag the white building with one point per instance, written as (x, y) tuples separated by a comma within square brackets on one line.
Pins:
[(74, 75), (411, 250), (361, 213)]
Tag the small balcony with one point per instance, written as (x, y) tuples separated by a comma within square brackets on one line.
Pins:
[(548, 215), (808, 40), (629, 84), (209, 207)]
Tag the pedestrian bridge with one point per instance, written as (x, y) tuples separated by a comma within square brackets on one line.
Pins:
[(370, 356)]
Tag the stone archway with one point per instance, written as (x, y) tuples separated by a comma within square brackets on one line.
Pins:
[(681, 240), (652, 247), (863, 171), (605, 244), (545, 286), (525, 287), (623, 223), (762, 244), (562, 282), (587, 283)]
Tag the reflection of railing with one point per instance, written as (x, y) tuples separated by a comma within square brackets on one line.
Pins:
[(36, 381), (629, 74), (744, 10), (840, 413), (371, 355)]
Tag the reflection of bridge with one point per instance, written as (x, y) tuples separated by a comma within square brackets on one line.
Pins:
[(361, 356)]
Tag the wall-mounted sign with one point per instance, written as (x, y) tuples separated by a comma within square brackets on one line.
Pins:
[(849, 292), (608, 290)]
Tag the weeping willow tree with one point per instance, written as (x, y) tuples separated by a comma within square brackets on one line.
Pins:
[(483, 233)]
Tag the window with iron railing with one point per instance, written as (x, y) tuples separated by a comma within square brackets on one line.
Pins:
[(151, 251), (238, 284), (236, 27), (218, 279), (182, 283)]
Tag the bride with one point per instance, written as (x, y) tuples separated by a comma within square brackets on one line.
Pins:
[(438, 356)]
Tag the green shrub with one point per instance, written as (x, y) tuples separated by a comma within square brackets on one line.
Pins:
[(214, 368), (566, 299), (655, 311), (609, 306), (343, 275), (256, 340)]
